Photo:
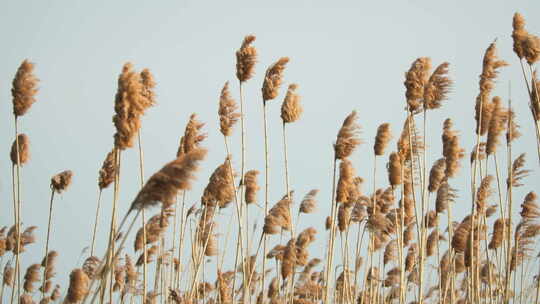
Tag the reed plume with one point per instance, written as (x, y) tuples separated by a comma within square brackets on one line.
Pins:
[(246, 57), (127, 107), (289, 259), (220, 188), (107, 171), (24, 88), (250, 181), (483, 193), (383, 137), (347, 138), (452, 151), (478, 152), (437, 87), (519, 34), (518, 173), (445, 195), (344, 217), (498, 237), (8, 275), (530, 209), (31, 277), (24, 149), (347, 190), (273, 78), (164, 185), (512, 130), (415, 80), (61, 181), (395, 170), (192, 136), (228, 116), (432, 242), (26, 299), (291, 109), (49, 263), (497, 125), (78, 286), (278, 217), (91, 266), (437, 175), (309, 204), (490, 71)]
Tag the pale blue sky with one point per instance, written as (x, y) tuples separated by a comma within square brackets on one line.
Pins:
[(344, 55)]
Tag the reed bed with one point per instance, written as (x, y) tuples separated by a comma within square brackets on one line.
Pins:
[(392, 240)]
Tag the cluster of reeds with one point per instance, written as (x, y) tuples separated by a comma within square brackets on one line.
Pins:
[(393, 244)]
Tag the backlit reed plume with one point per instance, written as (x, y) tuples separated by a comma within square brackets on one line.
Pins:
[(529, 208), (273, 78), (347, 188), (347, 138), (383, 137), (452, 151), (106, 177), (344, 217), (246, 57), (250, 181), (220, 188), (24, 150), (483, 193), (478, 152), (437, 175), (31, 277), (415, 80), (8, 275), (107, 172), (445, 195), (78, 286), (437, 87), (409, 135), (512, 130), (394, 170), (228, 116), (309, 204), (497, 125), (133, 97), (519, 34), (432, 242), (291, 109), (490, 71), (289, 259), (49, 263), (390, 252), (278, 217), (24, 88), (61, 181), (155, 229), (164, 185), (26, 298), (526, 45), (91, 266), (518, 173), (498, 234)]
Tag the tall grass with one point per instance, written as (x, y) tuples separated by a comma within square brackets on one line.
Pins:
[(393, 244)]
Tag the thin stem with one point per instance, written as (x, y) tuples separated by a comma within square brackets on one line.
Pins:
[(266, 191), (92, 247), (18, 245), (330, 250), (47, 245), (141, 177)]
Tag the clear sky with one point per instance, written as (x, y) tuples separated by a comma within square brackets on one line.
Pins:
[(344, 55)]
